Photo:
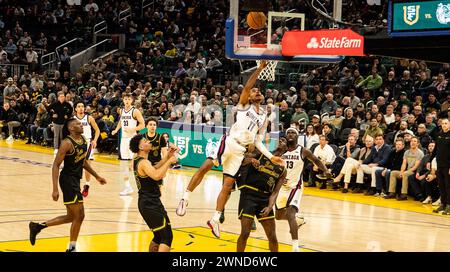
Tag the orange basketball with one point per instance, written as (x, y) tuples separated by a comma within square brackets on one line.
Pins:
[(256, 20)]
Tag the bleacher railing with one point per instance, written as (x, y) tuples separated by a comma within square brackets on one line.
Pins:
[(66, 44), (145, 4), (14, 69), (49, 61), (124, 14), (100, 27)]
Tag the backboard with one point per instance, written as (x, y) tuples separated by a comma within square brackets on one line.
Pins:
[(243, 43)]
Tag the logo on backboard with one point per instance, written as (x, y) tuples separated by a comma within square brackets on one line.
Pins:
[(411, 14)]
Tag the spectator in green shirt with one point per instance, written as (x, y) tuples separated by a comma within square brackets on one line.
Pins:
[(374, 129), (299, 114), (372, 82)]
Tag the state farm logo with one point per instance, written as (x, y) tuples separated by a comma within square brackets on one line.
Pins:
[(313, 43), (335, 43)]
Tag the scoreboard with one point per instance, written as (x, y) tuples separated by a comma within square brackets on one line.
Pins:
[(418, 18)]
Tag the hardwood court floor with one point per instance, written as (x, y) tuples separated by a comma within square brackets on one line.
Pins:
[(335, 221)]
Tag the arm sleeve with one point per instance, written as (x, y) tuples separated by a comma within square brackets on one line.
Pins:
[(262, 148), (259, 141)]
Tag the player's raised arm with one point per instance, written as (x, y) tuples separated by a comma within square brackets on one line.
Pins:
[(243, 99), (152, 172), (262, 147)]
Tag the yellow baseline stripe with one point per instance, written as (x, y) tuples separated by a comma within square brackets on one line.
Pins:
[(409, 205), (195, 239)]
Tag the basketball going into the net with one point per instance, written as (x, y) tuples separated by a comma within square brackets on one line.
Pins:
[(256, 20)]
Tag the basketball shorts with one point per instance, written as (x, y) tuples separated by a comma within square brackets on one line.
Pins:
[(289, 197), (125, 152), (153, 212), (70, 187), (252, 203), (229, 154), (91, 154)]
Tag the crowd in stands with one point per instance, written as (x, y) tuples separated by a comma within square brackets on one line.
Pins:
[(370, 116)]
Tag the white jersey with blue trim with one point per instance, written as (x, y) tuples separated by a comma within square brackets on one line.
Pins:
[(87, 130), (294, 167), (248, 124), (128, 121)]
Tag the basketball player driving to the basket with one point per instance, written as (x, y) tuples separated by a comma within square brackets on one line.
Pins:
[(249, 128)]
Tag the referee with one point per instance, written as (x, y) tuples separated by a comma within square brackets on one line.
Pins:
[(443, 166)]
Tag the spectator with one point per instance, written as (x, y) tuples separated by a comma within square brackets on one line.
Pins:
[(429, 123), (180, 72), (403, 129), (337, 119), (304, 102), (60, 111), (376, 160), (432, 103), (292, 97), (421, 189), (381, 122), (346, 81), (393, 163), (91, 6), (311, 137), (9, 120), (285, 115), (411, 161), (32, 59), (406, 82), (329, 106), (213, 63), (11, 47), (9, 92), (193, 106), (65, 61), (350, 120), (443, 166), (299, 114), (351, 165), (440, 83), (372, 82), (325, 153), (349, 150), (327, 131)]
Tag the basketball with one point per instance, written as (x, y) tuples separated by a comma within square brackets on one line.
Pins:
[(256, 20)]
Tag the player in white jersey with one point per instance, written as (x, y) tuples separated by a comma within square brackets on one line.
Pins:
[(249, 129), (88, 123), (131, 122), (288, 200)]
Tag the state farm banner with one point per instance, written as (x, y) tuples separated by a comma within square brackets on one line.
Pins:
[(341, 42)]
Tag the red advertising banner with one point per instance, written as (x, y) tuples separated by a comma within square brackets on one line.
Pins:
[(342, 42)]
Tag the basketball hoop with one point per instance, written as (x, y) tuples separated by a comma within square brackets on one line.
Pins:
[(268, 73)]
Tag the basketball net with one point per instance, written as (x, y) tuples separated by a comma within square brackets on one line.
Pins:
[(268, 73)]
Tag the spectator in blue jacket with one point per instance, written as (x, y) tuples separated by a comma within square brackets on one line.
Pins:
[(376, 161)]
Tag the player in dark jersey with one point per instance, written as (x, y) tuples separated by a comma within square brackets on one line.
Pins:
[(149, 179), (259, 185), (72, 151), (159, 144)]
